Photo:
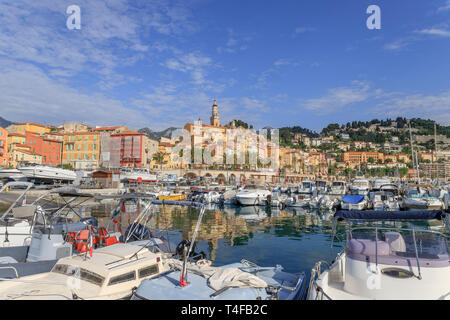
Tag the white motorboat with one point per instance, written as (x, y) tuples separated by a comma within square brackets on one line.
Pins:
[(306, 187), (45, 173), (137, 175), (338, 188), (322, 186), (353, 202), (301, 201), (277, 199), (206, 196), (423, 198), (324, 202), (110, 273), (384, 201), (252, 195), (190, 279), (360, 187), (13, 174), (237, 281), (379, 182), (386, 263)]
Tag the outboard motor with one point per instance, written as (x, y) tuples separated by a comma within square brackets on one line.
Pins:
[(183, 247), (138, 232)]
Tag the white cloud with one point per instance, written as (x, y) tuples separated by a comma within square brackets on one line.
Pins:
[(194, 63), (29, 95), (436, 107), (445, 7), (339, 98), (110, 35), (435, 32), (299, 30), (234, 43), (397, 44)]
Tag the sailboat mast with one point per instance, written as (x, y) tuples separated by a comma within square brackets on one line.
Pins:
[(412, 150)]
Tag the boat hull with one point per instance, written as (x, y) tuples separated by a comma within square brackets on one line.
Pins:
[(48, 173)]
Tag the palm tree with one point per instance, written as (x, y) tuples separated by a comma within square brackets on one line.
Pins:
[(159, 157)]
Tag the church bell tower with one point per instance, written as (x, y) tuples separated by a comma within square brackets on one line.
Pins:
[(215, 120)]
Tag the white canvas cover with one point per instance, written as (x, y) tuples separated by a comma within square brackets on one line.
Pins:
[(219, 278), (234, 277)]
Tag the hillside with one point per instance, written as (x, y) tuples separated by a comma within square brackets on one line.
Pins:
[(4, 123), (156, 135)]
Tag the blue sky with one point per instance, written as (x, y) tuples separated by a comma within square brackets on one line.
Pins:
[(279, 63)]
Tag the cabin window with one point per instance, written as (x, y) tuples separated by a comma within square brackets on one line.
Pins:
[(83, 274), (122, 278), (397, 273), (91, 277), (148, 271)]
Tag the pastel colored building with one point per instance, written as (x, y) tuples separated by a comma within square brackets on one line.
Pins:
[(81, 150), (22, 128), (357, 157), (49, 149), (3, 148)]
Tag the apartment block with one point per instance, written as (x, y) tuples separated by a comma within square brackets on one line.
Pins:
[(81, 149)]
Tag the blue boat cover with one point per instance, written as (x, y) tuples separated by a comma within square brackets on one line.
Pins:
[(352, 198), (389, 215)]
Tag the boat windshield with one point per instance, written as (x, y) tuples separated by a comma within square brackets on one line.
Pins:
[(361, 183), (395, 245), (434, 193), (306, 184), (413, 193), (79, 273), (338, 184)]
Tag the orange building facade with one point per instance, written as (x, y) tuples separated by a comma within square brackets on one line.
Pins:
[(3, 148)]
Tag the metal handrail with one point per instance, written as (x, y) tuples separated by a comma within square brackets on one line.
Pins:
[(417, 255), (401, 229), (11, 267)]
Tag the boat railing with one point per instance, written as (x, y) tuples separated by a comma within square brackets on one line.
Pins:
[(399, 229), (316, 271), (11, 267), (7, 186)]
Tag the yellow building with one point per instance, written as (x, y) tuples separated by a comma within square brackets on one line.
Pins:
[(21, 154), (357, 157), (81, 149), (21, 128)]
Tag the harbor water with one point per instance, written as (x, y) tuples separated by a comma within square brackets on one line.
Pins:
[(293, 238)]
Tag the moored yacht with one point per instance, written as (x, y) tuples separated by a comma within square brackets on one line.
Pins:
[(360, 187), (386, 263), (252, 195), (12, 174), (384, 201), (379, 182), (307, 187), (338, 188), (423, 198), (137, 175), (47, 174), (353, 202), (110, 273)]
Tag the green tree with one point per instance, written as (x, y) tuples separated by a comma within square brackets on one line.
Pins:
[(159, 158)]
